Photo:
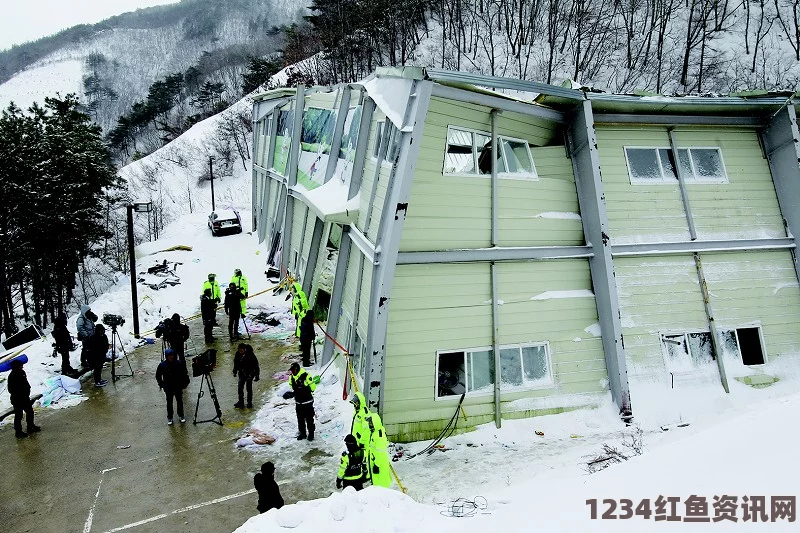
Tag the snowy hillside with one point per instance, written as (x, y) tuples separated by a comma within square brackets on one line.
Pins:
[(140, 48)]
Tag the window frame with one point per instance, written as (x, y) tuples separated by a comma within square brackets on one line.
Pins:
[(758, 327), (672, 180), (684, 334), (503, 390), (501, 173)]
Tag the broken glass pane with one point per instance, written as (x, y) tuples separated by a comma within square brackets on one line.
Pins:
[(518, 159), (701, 348), (483, 145), (459, 158), (451, 374)]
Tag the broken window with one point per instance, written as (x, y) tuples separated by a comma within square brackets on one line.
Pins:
[(381, 130), (685, 352), (745, 343), (472, 371), (470, 152), (649, 165), (283, 138), (347, 150)]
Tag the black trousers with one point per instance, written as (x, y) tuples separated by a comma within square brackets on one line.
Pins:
[(245, 381), (305, 348), (19, 408), (208, 324), (85, 357), (357, 484), (305, 417), (65, 364), (178, 395), (98, 371), (233, 323)]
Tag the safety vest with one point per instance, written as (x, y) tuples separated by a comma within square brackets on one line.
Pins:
[(351, 466), (214, 286), (241, 284)]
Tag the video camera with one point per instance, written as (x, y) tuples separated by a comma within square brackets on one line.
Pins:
[(204, 363), (112, 320), (165, 326)]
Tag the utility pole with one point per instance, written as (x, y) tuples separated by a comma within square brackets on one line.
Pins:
[(132, 255), (211, 173)]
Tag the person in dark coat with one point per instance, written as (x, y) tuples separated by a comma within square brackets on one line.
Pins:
[(63, 343), (233, 308), (176, 335), (98, 348), (85, 327), (208, 311), (20, 392), (307, 336), (245, 363), (269, 494), (172, 377)]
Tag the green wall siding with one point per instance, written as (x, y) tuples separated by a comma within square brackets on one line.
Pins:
[(448, 307), (750, 288), (745, 207), (447, 212), (662, 294)]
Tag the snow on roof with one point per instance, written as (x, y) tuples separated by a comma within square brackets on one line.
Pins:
[(330, 201), (391, 95)]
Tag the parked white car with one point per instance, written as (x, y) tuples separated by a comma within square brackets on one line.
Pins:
[(224, 221)]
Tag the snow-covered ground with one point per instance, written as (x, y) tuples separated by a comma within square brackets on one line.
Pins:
[(748, 455)]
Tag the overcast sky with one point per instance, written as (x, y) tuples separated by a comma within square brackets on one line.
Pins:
[(27, 20)]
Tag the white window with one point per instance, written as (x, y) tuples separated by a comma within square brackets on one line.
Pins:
[(656, 165), (472, 371), (470, 152), (302, 270), (685, 352), (394, 144), (746, 343)]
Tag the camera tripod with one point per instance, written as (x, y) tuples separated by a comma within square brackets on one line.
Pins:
[(216, 419), (114, 338)]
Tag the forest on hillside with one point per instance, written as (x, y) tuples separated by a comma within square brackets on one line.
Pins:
[(661, 46)]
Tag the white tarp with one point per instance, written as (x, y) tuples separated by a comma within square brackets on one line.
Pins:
[(391, 95)]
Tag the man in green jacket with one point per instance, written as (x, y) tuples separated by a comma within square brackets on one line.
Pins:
[(303, 387), (240, 281), (211, 283), (299, 305)]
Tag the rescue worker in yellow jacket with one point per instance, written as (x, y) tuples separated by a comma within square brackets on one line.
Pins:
[(211, 283), (352, 470), (240, 281), (299, 305), (359, 428), (378, 452)]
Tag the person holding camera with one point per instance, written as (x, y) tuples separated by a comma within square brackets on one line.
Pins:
[(85, 327), (172, 377), (232, 308), (175, 333), (245, 363), (98, 348)]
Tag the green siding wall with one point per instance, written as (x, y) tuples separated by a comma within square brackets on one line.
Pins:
[(322, 100), (656, 294), (745, 207), (448, 212), (750, 288), (662, 294), (448, 307)]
